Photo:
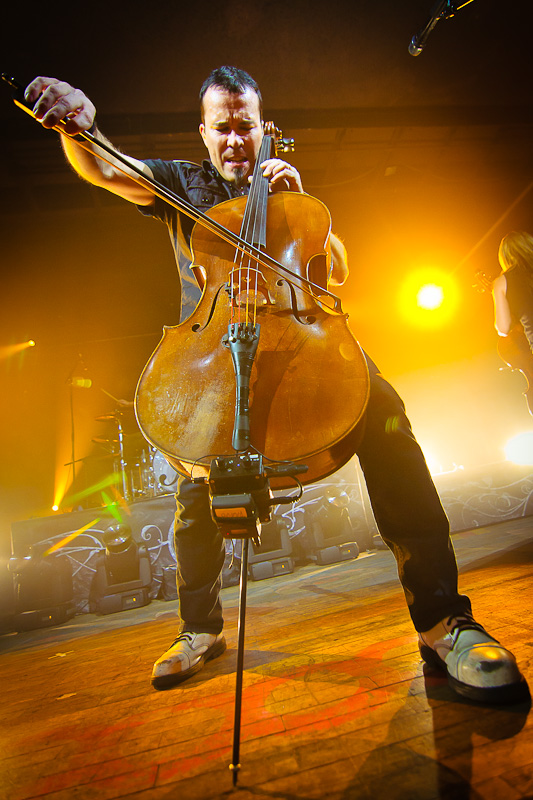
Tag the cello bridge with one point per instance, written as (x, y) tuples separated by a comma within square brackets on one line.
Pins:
[(247, 288)]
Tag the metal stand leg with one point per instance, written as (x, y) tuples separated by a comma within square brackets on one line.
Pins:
[(125, 490), (235, 765), (241, 500)]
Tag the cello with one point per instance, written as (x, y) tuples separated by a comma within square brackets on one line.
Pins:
[(307, 386)]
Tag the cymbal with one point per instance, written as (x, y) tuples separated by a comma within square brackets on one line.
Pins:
[(105, 441), (106, 418)]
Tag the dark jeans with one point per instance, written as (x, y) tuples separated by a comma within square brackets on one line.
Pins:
[(406, 507)]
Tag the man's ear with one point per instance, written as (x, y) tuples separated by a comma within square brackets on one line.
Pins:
[(201, 128)]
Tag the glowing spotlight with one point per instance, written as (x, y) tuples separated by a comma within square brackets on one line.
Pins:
[(62, 479), (428, 297), (6, 351), (519, 449)]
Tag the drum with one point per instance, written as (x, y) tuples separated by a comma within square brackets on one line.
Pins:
[(137, 476), (166, 476)]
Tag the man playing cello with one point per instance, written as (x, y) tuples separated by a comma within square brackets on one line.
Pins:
[(406, 506)]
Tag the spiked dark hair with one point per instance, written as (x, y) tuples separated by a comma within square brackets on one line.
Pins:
[(233, 80)]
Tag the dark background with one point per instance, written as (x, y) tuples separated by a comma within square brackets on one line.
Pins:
[(422, 161)]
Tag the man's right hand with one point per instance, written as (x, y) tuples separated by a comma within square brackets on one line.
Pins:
[(56, 101)]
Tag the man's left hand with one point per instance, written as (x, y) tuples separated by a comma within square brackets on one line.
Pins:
[(282, 177)]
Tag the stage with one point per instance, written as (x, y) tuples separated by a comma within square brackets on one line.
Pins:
[(471, 498), (336, 702)]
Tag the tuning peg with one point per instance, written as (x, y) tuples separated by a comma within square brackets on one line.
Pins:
[(287, 145)]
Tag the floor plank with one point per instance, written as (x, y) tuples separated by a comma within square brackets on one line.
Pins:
[(336, 703)]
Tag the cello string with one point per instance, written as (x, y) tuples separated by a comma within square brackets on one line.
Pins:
[(262, 190), (253, 222), (258, 221), (260, 216), (240, 255)]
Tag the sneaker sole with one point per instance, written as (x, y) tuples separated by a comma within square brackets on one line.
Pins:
[(509, 694), (166, 681), (494, 695)]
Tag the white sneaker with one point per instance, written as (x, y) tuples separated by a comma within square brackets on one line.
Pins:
[(478, 667), (186, 656)]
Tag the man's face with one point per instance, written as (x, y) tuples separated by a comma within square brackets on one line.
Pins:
[(232, 131)]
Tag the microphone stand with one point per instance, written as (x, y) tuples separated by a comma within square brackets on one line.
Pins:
[(73, 381), (444, 9), (72, 434)]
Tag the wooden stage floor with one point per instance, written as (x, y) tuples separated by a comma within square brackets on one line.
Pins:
[(336, 702)]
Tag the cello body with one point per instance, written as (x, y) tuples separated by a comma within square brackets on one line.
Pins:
[(309, 380)]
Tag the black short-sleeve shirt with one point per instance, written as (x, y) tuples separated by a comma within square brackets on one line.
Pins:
[(203, 187)]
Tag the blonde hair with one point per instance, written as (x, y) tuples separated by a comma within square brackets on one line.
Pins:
[(516, 250)]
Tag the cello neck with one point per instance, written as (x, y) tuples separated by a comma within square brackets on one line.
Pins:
[(253, 229)]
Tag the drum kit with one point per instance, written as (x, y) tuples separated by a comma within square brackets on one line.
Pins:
[(143, 470)]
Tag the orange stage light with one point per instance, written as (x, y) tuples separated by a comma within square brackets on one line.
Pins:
[(6, 351), (428, 298), (62, 483)]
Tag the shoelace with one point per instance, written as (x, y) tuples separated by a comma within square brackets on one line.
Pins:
[(186, 635), (465, 622)]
